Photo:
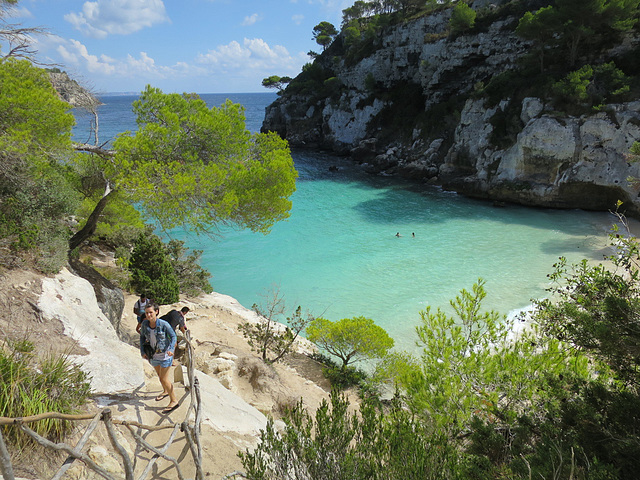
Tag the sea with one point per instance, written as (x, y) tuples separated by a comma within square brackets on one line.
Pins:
[(358, 244)]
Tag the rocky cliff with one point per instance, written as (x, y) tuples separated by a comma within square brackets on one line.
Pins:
[(417, 105), (72, 92)]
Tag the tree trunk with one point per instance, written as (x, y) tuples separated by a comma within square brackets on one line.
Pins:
[(92, 222)]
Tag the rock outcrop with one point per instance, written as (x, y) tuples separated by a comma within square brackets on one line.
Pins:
[(566, 162), (416, 56), (109, 297), (114, 367), (385, 105), (72, 92)]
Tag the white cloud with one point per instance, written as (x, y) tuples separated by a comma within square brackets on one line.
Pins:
[(76, 54), (236, 66), (251, 19), (253, 54), (117, 17), (142, 66), (297, 19)]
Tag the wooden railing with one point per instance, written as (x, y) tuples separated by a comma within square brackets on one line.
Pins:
[(190, 429)]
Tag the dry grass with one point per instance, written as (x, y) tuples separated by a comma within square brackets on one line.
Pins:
[(258, 373)]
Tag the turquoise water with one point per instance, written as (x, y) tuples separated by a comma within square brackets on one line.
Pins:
[(338, 255)]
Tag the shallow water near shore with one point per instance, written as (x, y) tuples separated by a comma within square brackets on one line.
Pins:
[(338, 255)]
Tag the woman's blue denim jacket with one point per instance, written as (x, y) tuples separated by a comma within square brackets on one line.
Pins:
[(165, 336)]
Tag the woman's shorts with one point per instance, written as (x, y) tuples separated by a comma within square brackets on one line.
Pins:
[(162, 363)]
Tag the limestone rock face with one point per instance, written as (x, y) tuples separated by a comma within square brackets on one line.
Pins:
[(416, 53), (519, 151), (347, 124), (71, 92), (566, 162), (110, 298), (113, 366)]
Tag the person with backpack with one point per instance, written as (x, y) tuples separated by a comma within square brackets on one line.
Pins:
[(157, 344)]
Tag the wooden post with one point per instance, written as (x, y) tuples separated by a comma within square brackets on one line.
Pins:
[(128, 467), (158, 452), (186, 429), (79, 446), (5, 460), (66, 448)]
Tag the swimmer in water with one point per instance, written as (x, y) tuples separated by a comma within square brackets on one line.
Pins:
[(398, 234)]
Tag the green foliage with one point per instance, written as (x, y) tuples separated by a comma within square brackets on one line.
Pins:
[(30, 385), (470, 367), (597, 310), (199, 167), (152, 272), (372, 444), (484, 404), (350, 339), (540, 28), (351, 35), (192, 278), (591, 86), (574, 86), (311, 82), (589, 424), (34, 122), (36, 193), (341, 378), (463, 18), (324, 33), (274, 334), (570, 24), (120, 222), (333, 85), (362, 37), (274, 81)]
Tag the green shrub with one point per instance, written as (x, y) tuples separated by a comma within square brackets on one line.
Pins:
[(192, 278), (463, 18), (32, 216), (120, 223), (332, 86), (350, 339), (374, 443), (36, 192), (592, 86), (265, 336), (30, 385), (351, 35), (341, 378), (152, 272), (573, 87)]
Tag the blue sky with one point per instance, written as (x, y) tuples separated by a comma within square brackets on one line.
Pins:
[(204, 46)]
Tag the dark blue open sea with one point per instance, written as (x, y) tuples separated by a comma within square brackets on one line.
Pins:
[(338, 255)]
